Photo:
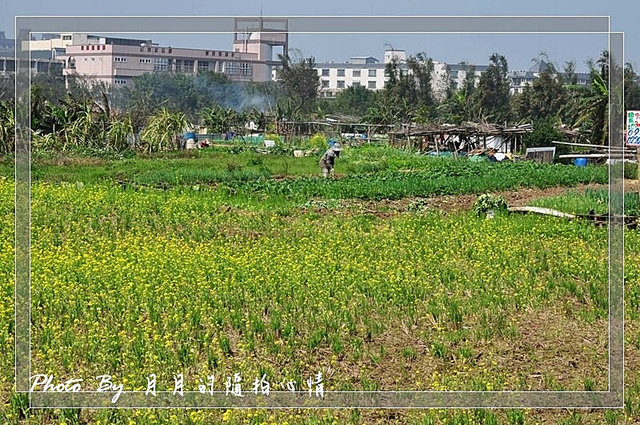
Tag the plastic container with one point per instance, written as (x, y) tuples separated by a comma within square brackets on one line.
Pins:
[(581, 162), (190, 135)]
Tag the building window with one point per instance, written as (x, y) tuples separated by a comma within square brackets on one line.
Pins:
[(188, 66), (145, 60), (170, 50), (246, 69), (226, 54), (81, 47), (104, 47), (203, 66), (162, 50), (206, 53), (454, 75), (325, 72), (178, 65), (372, 73), (231, 68), (355, 83), (340, 84), (155, 50), (371, 85), (341, 73), (66, 37), (160, 64), (325, 84), (119, 59), (149, 49), (120, 82), (355, 73)]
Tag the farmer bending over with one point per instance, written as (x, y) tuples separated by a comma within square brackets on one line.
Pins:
[(329, 158)]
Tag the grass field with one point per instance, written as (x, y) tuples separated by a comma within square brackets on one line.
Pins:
[(246, 263)]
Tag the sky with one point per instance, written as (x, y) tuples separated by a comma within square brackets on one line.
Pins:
[(519, 49)]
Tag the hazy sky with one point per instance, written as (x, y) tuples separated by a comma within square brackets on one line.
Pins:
[(519, 49)]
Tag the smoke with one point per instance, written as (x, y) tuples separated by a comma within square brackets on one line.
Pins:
[(228, 94), (191, 93)]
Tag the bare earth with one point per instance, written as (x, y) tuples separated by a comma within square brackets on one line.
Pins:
[(459, 203)]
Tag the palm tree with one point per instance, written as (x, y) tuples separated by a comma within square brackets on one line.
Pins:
[(594, 115)]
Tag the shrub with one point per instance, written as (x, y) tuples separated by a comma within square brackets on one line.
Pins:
[(488, 202)]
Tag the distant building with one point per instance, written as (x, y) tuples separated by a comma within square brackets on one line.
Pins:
[(454, 73), (7, 45), (56, 44), (265, 38), (364, 71), (367, 71), (40, 61), (520, 79), (118, 61), (337, 76)]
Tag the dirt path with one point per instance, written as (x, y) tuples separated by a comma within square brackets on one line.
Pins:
[(457, 203)]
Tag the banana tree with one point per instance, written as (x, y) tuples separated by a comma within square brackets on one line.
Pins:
[(7, 127), (119, 131), (164, 130)]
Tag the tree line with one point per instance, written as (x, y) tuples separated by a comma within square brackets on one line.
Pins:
[(160, 106)]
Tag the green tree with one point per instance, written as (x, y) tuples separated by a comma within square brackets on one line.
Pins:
[(408, 94), (631, 88), (420, 77), (594, 115), (354, 100), (398, 100), (457, 106), (569, 74), (548, 95), (491, 97), (7, 87), (189, 93), (544, 132), (543, 99), (300, 82)]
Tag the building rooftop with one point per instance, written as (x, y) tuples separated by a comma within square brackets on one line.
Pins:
[(6, 43)]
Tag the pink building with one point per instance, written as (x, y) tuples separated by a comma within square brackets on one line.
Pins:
[(118, 62)]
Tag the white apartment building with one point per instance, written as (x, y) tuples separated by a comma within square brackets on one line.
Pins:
[(364, 71), (367, 71)]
